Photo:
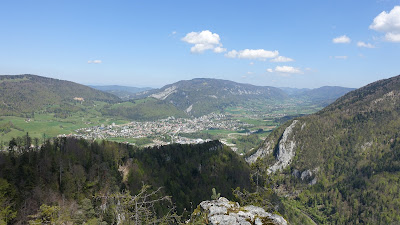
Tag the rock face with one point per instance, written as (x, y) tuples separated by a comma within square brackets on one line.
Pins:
[(222, 211), (261, 152), (286, 149)]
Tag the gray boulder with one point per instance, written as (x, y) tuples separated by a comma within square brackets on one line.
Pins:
[(222, 211)]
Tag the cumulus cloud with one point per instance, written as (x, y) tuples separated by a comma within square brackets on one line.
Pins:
[(219, 49), (231, 54), (281, 59), (341, 40), (392, 37), (204, 40), (251, 63), (285, 70), (200, 48), (389, 23), (97, 61), (252, 54), (365, 45)]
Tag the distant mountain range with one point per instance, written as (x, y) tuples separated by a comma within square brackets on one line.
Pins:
[(21, 94), (123, 92), (342, 164), (323, 95), (202, 95)]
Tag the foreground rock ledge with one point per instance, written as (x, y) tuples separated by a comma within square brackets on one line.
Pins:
[(222, 211)]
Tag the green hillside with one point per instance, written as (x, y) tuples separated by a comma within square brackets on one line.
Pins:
[(342, 164), (24, 94), (147, 109)]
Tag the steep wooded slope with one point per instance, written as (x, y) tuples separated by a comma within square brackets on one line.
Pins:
[(344, 160)]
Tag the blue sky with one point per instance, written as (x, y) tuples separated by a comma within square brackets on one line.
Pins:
[(287, 43)]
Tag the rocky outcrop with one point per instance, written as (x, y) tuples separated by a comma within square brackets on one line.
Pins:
[(164, 94), (261, 152), (285, 153), (286, 150), (222, 211), (307, 175)]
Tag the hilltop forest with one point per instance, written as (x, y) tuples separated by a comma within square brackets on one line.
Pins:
[(79, 181)]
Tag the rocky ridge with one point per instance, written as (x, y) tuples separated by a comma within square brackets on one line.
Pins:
[(223, 211)]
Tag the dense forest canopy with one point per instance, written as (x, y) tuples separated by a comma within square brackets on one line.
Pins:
[(69, 179)]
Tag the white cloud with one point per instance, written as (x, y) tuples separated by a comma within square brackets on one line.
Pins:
[(249, 73), (200, 48), (389, 23), (203, 41), (365, 45), (251, 63), (341, 57), (281, 59), (219, 49), (203, 37), (173, 32), (341, 40), (392, 37), (231, 54), (285, 70), (97, 61), (252, 54)]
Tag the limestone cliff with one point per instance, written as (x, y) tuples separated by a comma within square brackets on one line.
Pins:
[(285, 150)]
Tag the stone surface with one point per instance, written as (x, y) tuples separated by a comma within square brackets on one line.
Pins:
[(222, 211), (306, 174), (286, 150), (265, 150)]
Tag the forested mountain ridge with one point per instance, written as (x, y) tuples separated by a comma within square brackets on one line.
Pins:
[(325, 94), (27, 93), (69, 180), (342, 164), (205, 95)]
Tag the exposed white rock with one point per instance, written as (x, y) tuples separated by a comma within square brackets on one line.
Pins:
[(222, 211), (164, 94), (304, 125), (286, 149), (189, 109), (261, 152)]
